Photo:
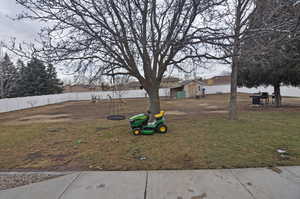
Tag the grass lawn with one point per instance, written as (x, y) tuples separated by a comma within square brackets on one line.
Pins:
[(193, 142)]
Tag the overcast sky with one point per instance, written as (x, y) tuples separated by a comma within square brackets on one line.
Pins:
[(22, 30), (27, 31)]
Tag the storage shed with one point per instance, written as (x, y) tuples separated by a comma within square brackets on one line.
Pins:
[(187, 89)]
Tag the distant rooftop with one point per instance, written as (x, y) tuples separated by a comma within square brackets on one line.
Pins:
[(218, 80)]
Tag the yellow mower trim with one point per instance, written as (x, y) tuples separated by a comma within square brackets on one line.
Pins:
[(161, 114)]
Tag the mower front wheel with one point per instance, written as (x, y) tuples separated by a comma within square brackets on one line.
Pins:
[(136, 132), (162, 128)]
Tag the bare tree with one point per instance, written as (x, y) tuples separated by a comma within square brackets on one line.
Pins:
[(243, 11), (140, 38), (238, 15), (241, 15)]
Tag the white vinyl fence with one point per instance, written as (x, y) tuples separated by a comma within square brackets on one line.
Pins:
[(287, 91), (13, 104)]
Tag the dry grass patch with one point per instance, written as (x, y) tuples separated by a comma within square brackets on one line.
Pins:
[(175, 113), (197, 139)]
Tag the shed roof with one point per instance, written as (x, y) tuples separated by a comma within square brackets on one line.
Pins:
[(186, 82)]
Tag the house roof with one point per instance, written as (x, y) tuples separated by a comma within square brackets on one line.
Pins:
[(170, 79), (218, 80), (185, 82), (164, 80)]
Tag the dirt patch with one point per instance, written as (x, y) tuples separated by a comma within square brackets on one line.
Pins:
[(56, 113), (175, 113), (44, 117), (38, 121), (217, 112), (33, 156), (41, 119), (203, 104), (55, 130), (212, 107), (59, 157)]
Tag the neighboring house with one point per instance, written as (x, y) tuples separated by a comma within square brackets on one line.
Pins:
[(167, 82), (217, 84), (218, 80), (134, 85), (187, 89), (82, 88)]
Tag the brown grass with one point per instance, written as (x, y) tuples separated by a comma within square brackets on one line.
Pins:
[(203, 138)]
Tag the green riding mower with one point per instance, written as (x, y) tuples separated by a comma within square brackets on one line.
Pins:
[(140, 124)]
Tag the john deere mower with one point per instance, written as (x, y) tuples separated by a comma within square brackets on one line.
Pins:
[(140, 124)]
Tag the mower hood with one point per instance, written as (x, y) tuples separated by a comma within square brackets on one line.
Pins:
[(138, 117)]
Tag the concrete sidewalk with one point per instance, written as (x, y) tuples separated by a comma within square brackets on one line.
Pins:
[(258, 183)]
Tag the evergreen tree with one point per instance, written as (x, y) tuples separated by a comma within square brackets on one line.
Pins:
[(272, 58), (8, 77), (20, 65), (19, 83), (37, 79), (54, 85), (277, 66)]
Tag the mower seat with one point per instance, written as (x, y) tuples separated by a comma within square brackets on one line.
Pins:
[(159, 115)]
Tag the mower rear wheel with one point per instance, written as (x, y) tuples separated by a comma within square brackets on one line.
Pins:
[(136, 132), (162, 128)]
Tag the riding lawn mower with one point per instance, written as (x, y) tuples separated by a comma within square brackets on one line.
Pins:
[(140, 124)]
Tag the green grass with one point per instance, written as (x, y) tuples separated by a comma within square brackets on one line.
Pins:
[(192, 143)]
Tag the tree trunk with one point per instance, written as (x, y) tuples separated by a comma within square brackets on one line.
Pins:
[(154, 102), (277, 95), (235, 61), (233, 92)]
